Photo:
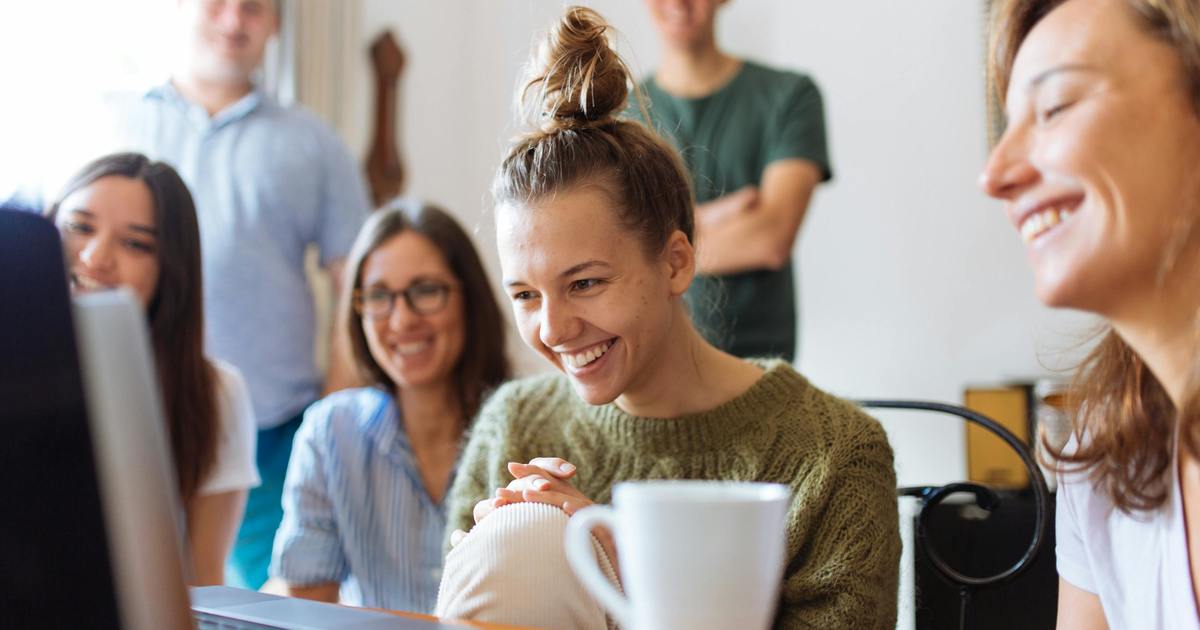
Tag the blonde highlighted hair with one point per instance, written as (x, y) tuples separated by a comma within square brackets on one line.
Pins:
[(1124, 420)]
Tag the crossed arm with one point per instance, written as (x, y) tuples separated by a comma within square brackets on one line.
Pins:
[(755, 228)]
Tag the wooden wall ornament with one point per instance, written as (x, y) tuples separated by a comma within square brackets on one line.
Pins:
[(385, 171)]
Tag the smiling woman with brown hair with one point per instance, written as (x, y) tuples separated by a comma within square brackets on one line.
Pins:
[(1100, 172), (595, 227), (363, 501)]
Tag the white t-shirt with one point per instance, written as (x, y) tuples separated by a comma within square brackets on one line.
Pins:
[(1136, 563), (235, 467)]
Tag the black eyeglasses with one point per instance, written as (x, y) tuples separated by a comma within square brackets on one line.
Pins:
[(423, 298)]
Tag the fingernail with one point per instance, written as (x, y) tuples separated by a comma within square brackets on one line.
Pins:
[(567, 467), (542, 485)]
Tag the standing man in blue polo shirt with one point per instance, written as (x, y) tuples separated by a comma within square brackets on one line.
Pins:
[(269, 181)]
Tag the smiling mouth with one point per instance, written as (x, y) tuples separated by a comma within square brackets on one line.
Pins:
[(409, 349), (1045, 220), (587, 356), (84, 283)]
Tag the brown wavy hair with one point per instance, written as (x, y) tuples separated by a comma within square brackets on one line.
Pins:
[(484, 364), (577, 88), (175, 313), (1119, 406)]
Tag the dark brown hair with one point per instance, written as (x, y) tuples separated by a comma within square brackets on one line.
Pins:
[(175, 312), (483, 365), (578, 88), (1124, 419)]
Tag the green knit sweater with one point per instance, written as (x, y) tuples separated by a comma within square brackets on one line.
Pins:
[(843, 538)]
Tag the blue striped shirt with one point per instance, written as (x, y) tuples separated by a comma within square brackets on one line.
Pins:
[(355, 510)]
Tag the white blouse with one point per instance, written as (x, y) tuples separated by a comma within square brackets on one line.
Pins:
[(1137, 564), (235, 467)]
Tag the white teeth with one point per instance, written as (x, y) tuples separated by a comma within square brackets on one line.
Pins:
[(406, 349), (580, 359), (88, 284), (1040, 223)]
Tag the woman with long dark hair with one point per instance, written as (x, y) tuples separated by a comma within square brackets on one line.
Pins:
[(127, 221), (1099, 170), (364, 497)]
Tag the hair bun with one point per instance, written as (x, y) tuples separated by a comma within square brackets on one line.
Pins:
[(577, 78)]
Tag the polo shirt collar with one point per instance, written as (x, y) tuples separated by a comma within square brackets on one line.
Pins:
[(166, 91)]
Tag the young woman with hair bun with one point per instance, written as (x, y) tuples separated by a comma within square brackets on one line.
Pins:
[(595, 229)]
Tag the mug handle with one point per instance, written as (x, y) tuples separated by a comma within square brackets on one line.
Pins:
[(582, 557)]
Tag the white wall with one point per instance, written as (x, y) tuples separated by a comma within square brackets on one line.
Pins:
[(912, 283), (56, 72)]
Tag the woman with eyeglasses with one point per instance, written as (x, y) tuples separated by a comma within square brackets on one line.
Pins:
[(363, 501)]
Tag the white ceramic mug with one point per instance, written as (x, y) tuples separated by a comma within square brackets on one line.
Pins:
[(692, 554)]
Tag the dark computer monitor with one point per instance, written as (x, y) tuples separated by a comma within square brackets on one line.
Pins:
[(54, 558)]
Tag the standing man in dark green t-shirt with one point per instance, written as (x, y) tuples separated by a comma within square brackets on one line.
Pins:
[(753, 139)]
